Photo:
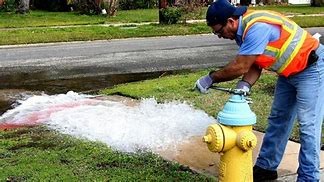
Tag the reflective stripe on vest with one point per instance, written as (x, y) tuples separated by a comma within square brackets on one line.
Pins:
[(283, 55)]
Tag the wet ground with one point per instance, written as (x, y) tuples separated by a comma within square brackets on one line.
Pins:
[(17, 86), (8, 97), (192, 153)]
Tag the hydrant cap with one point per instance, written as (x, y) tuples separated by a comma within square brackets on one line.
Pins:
[(236, 112)]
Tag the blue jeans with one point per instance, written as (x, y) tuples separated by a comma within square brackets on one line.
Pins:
[(300, 95)]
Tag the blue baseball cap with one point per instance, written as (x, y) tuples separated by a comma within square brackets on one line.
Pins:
[(220, 10)]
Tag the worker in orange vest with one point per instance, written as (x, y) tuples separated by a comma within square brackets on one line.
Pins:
[(269, 40)]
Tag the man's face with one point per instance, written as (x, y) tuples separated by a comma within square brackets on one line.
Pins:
[(227, 31)]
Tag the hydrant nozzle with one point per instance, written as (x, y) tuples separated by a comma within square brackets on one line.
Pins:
[(207, 139), (246, 140), (215, 138)]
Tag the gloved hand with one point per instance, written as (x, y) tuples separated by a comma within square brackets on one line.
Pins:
[(203, 83), (243, 86)]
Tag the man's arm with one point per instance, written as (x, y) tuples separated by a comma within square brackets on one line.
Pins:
[(252, 75), (241, 65)]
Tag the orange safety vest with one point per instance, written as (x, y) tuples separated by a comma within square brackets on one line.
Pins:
[(289, 54)]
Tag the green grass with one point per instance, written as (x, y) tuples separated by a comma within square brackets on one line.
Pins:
[(46, 19), (38, 23), (309, 21), (303, 21), (96, 33), (292, 9), (39, 154), (135, 16)]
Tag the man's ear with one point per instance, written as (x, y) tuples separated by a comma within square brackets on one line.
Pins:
[(230, 20), (233, 22)]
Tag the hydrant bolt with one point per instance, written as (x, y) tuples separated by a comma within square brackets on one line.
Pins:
[(249, 144)]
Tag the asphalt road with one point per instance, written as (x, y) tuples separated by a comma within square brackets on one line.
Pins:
[(44, 64), (118, 56), (30, 66)]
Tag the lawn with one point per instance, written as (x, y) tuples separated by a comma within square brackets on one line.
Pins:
[(45, 27), (39, 154)]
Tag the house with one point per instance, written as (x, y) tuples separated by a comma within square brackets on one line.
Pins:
[(299, 1)]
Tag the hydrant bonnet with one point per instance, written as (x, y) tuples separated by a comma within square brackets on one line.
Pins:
[(236, 112)]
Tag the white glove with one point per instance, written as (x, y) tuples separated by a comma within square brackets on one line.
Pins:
[(203, 83), (243, 85)]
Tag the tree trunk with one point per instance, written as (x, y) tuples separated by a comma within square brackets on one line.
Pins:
[(162, 5), (112, 7), (23, 6)]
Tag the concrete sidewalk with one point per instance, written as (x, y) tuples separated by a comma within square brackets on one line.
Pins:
[(196, 155), (289, 164)]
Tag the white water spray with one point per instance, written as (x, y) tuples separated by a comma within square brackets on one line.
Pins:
[(146, 126)]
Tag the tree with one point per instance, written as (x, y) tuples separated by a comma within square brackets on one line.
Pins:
[(23, 6)]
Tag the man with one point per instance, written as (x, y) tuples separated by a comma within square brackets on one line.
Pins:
[(269, 40)]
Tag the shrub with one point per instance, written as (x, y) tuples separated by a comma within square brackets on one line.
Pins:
[(137, 4), (88, 7), (51, 5), (8, 5), (170, 15)]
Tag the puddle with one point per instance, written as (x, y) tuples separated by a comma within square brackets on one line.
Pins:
[(15, 86), (40, 81), (194, 153)]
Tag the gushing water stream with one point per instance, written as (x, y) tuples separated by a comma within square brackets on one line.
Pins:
[(147, 125)]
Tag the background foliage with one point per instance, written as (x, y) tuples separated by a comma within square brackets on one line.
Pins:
[(137, 4), (9, 5)]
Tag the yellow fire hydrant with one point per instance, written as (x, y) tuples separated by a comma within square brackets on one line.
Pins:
[(233, 138)]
